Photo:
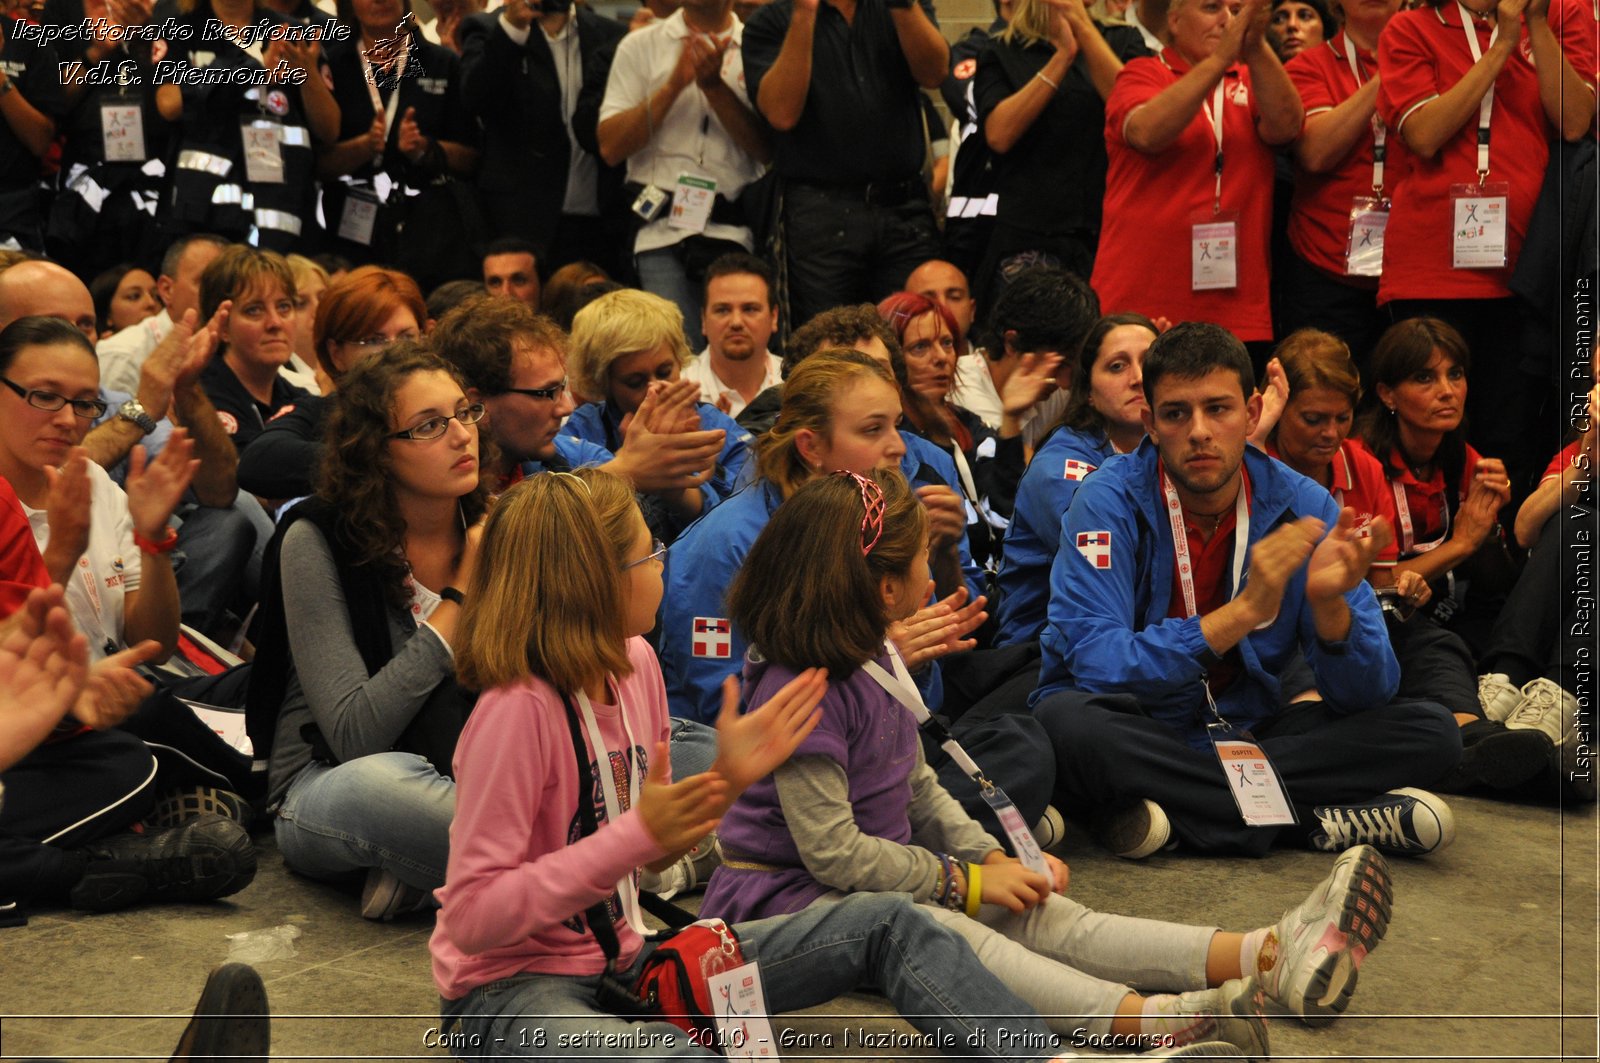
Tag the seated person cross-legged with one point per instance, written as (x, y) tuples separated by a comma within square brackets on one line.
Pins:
[(1143, 648)]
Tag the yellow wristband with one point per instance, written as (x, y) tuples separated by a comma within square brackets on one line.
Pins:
[(974, 889)]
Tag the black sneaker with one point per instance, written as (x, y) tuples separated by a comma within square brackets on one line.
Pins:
[(174, 807), (1500, 759), (1406, 822), (231, 1021), (207, 857)]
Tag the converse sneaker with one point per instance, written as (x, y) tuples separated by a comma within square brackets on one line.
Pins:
[(1308, 962), (1051, 830), (1498, 696), (385, 896), (1408, 822), (231, 1021), (1230, 1013), (205, 858), (691, 872), (1134, 831), (1544, 707)]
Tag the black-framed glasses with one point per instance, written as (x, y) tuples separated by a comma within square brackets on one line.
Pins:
[(658, 550), (549, 394), (88, 409), (434, 427)]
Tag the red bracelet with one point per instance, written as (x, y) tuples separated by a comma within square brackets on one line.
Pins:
[(150, 546)]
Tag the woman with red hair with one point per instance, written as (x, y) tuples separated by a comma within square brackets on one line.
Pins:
[(990, 463), (358, 316)]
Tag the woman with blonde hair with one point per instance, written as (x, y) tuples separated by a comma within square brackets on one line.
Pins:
[(310, 281)]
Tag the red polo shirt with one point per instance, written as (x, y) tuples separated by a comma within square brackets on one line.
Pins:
[(1421, 54), (1424, 498), (1359, 482), (1143, 260), (1319, 218), (21, 567), (1562, 461), (1211, 565)]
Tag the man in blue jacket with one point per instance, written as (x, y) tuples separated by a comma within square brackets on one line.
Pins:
[(1162, 649)]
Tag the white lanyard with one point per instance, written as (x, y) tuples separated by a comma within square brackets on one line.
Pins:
[(393, 106), (1380, 133), (1213, 112), (627, 889), (1180, 541), (1408, 534), (965, 471), (1486, 105), (900, 686)]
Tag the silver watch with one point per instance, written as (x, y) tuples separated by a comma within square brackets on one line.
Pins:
[(133, 410)]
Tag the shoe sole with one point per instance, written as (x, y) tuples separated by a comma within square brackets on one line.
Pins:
[(1362, 876), (1506, 760), (231, 1021), (1240, 1021), (177, 808), (217, 869), (1137, 836)]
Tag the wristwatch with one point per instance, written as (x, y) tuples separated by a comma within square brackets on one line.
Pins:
[(133, 410)]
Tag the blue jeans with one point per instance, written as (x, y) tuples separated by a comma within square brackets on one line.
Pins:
[(392, 810), (661, 273), (877, 941), (221, 563)]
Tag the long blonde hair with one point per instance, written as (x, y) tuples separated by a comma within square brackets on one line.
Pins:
[(546, 598), (809, 395)]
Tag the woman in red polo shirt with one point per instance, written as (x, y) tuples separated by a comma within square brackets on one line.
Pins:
[(1312, 438), (1473, 161), (1188, 204), (1330, 280)]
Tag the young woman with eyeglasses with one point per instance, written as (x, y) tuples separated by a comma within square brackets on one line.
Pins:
[(358, 315), (352, 690)]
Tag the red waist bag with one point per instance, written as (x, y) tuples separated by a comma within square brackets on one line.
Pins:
[(673, 982)]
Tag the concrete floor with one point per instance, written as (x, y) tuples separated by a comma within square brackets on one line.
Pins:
[(1491, 955)]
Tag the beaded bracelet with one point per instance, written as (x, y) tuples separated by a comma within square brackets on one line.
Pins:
[(948, 884)]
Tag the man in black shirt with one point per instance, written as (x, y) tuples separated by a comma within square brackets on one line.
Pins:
[(839, 82), (30, 102)]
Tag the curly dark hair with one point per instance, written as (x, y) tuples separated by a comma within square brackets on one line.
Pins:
[(355, 473)]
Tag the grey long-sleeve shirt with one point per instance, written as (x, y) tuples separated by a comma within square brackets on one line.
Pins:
[(328, 683)]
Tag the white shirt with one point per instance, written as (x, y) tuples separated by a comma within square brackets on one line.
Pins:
[(122, 355), (712, 388), (689, 138), (975, 391), (583, 170), (299, 373), (109, 568), (1151, 41)]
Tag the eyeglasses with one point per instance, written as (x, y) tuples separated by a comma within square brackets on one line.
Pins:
[(658, 550), (549, 394), (88, 409), (434, 427), (368, 344)]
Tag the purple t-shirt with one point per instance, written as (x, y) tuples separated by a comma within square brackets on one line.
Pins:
[(873, 737)]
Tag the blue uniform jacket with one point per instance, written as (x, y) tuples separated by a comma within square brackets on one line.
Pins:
[(597, 423), (1042, 500), (700, 568), (1108, 627), (571, 453)]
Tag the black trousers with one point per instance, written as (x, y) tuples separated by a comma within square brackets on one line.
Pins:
[(64, 796), (843, 251), (1435, 665), (1109, 752), (1541, 630)]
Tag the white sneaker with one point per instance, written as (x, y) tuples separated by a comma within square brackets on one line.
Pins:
[(1051, 830), (1308, 961), (1135, 830), (691, 872), (1407, 822), (1545, 707), (1498, 696), (1230, 1013)]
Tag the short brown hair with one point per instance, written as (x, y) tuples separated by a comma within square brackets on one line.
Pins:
[(829, 611), (479, 335), (546, 598), (809, 396), (236, 270), (843, 326), (1312, 358)]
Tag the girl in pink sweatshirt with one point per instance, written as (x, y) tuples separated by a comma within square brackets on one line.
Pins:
[(568, 582)]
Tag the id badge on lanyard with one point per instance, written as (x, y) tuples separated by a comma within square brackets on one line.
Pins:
[(122, 130), (902, 689), (359, 217), (1214, 234), (1478, 212), (1256, 787), (263, 154), (692, 200), (1369, 215), (739, 1006)]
